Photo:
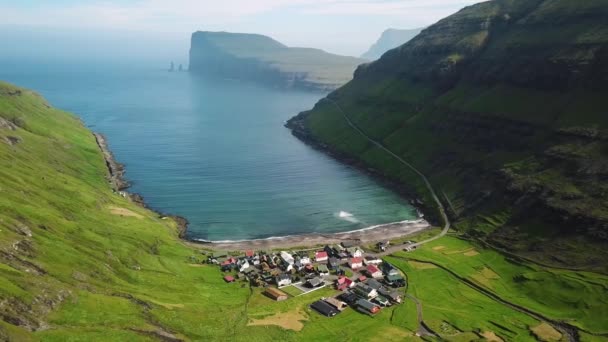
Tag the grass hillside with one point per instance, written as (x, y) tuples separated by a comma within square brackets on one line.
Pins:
[(263, 59), (502, 105), (79, 262)]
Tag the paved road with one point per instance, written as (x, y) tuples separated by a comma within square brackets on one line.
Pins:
[(442, 211)]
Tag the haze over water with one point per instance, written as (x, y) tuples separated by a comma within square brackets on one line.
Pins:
[(215, 152)]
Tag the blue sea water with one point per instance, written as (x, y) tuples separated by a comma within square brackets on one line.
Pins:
[(214, 152)]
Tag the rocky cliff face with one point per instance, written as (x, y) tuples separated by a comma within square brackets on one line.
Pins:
[(262, 59), (501, 105), (389, 40)]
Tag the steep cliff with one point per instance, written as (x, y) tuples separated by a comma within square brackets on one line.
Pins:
[(259, 58), (503, 106), (390, 39)]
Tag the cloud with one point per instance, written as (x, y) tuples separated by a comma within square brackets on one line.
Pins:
[(179, 15)]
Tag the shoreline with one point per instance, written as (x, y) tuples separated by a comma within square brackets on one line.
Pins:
[(119, 184), (366, 235), (376, 233), (298, 130)]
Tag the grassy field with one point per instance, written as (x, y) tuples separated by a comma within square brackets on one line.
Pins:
[(573, 297)]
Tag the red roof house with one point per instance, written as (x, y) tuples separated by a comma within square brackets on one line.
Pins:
[(362, 278), (249, 253), (373, 271), (321, 256), (344, 283), (229, 279)]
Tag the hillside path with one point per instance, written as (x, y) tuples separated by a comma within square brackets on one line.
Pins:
[(442, 210)]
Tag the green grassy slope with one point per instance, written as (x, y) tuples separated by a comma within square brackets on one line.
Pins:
[(262, 59), (502, 106), (71, 269)]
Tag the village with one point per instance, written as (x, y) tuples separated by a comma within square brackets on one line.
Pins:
[(365, 282)]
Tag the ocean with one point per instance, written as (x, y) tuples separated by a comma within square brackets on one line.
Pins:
[(213, 151)]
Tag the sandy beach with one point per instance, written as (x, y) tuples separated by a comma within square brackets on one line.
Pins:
[(367, 235)]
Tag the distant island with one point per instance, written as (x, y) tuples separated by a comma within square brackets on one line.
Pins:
[(263, 59), (390, 39)]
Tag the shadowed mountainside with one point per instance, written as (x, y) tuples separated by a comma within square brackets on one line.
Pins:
[(502, 105)]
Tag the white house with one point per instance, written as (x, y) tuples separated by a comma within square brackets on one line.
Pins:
[(243, 265), (305, 261), (355, 252), (372, 260), (283, 279), (287, 258), (355, 263)]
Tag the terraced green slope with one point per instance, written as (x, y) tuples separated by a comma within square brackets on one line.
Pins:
[(503, 106)]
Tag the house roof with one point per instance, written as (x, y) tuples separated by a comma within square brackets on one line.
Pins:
[(315, 282), (373, 283), (338, 304), (356, 260), (362, 278), (367, 305), (229, 279), (394, 277), (275, 293), (321, 254), (324, 308), (372, 269), (249, 253)]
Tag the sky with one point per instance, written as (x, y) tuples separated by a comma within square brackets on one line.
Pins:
[(346, 27)]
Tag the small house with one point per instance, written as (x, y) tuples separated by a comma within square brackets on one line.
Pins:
[(315, 282), (389, 269), (374, 284), (382, 301), (365, 291), (324, 308), (249, 254), (334, 263), (373, 271), (383, 245), (305, 260), (355, 252), (276, 294), (287, 258), (355, 263), (283, 279), (372, 260), (229, 279), (395, 280), (330, 251), (349, 297), (392, 295), (321, 256), (367, 306), (243, 265), (323, 270), (338, 304), (344, 283), (362, 278)]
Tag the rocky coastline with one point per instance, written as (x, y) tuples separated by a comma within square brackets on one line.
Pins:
[(116, 178)]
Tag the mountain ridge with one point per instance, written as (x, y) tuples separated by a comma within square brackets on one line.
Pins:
[(258, 58), (486, 103), (390, 39)]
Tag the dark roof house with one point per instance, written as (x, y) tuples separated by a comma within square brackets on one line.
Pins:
[(324, 308)]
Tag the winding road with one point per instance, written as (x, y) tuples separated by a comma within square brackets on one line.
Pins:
[(428, 185)]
